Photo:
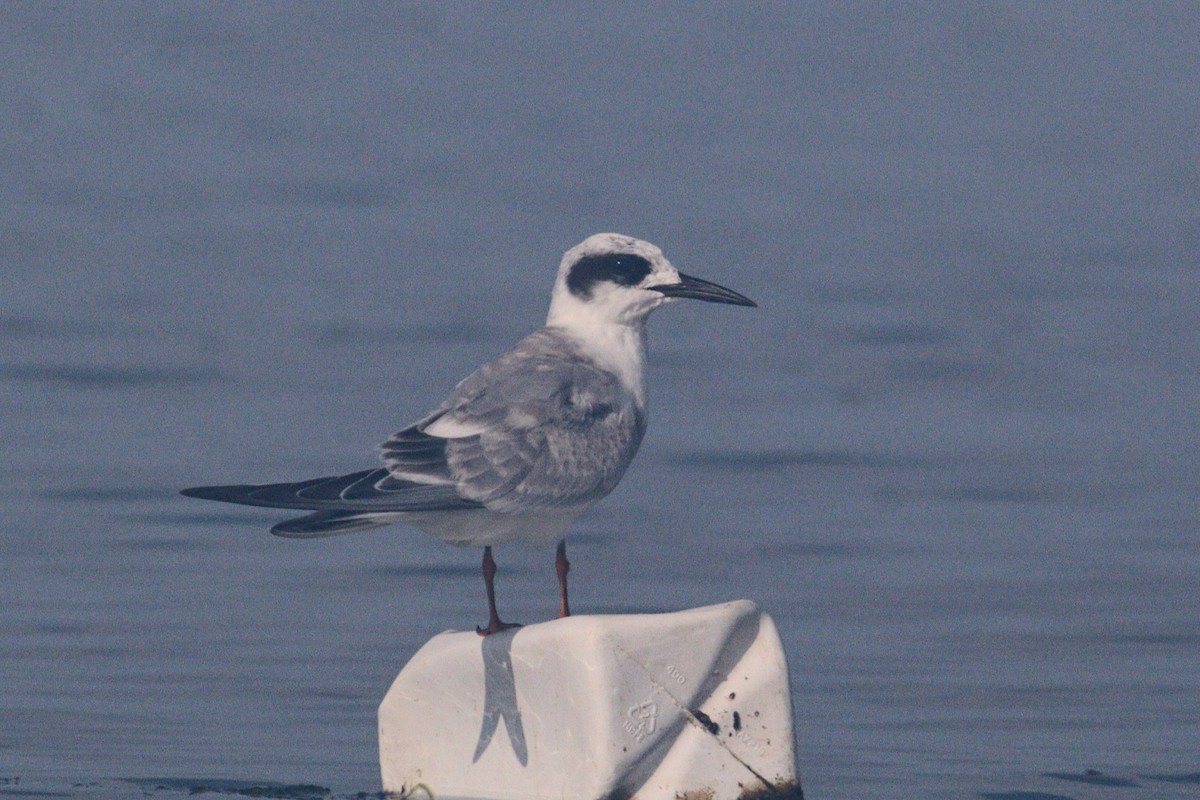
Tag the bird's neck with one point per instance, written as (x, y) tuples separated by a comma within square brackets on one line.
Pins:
[(619, 347)]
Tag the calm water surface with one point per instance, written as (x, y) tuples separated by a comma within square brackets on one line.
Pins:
[(952, 453)]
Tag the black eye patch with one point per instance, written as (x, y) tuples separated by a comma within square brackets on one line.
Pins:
[(622, 269)]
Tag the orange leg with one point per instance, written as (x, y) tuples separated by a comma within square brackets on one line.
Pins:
[(562, 567), (489, 577)]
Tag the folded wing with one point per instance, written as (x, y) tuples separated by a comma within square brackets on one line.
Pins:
[(540, 427)]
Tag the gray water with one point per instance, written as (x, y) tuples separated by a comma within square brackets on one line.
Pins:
[(952, 453)]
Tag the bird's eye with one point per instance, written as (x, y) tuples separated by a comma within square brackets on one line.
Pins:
[(623, 269)]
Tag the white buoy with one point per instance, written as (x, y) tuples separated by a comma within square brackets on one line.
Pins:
[(692, 704)]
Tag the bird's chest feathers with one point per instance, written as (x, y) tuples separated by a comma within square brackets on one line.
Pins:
[(619, 349)]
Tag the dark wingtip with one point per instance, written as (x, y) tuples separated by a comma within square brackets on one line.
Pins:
[(325, 523)]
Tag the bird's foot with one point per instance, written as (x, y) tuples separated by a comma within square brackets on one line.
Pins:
[(496, 626)]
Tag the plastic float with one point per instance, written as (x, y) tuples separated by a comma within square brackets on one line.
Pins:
[(693, 704)]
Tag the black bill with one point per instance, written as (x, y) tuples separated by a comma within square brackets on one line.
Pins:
[(697, 289)]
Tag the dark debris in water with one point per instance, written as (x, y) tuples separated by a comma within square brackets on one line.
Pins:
[(234, 788), (1094, 777)]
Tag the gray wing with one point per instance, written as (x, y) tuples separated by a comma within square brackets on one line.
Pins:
[(540, 427)]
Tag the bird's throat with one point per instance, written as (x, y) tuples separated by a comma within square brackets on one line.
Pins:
[(618, 348)]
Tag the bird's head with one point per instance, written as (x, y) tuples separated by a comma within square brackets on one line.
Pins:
[(613, 279)]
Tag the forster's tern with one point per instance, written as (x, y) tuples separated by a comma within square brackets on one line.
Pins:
[(527, 442)]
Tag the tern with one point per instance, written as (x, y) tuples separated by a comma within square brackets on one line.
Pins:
[(527, 442)]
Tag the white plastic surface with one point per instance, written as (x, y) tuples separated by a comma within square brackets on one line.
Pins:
[(693, 704)]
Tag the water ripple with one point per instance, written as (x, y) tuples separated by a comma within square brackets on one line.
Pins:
[(773, 459), (107, 377), (236, 788)]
